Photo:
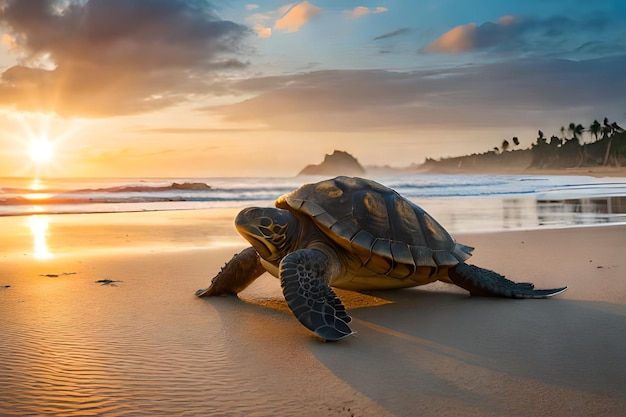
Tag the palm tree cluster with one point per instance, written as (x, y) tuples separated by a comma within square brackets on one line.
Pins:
[(607, 146)]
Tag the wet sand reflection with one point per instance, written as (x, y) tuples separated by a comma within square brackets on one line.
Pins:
[(38, 226)]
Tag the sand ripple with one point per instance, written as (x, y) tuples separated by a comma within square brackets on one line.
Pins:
[(113, 353)]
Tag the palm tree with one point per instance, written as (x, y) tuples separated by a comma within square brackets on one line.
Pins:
[(606, 129), (555, 141), (541, 139), (607, 133), (580, 129), (505, 145), (617, 128), (576, 129), (594, 129)]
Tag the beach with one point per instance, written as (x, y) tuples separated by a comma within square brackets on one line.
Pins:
[(98, 317)]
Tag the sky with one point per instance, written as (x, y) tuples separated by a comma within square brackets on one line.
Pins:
[(194, 88)]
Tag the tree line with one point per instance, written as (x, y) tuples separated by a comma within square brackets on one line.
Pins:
[(607, 146)]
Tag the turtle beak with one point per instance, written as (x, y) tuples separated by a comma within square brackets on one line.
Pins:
[(265, 229)]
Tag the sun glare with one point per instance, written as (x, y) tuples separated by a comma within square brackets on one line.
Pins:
[(41, 150)]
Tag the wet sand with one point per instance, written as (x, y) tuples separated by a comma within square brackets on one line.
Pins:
[(145, 345)]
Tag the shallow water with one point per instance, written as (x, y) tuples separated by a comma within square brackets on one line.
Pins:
[(462, 203)]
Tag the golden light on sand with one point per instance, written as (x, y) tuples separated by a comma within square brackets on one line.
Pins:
[(41, 150), (39, 229)]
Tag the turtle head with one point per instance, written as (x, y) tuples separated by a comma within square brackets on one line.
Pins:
[(269, 230)]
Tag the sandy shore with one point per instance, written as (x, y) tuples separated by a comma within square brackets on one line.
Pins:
[(144, 345), (599, 171)]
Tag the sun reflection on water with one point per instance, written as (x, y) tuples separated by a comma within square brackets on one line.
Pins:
[(37, 190), (39, 228), (36, 185)]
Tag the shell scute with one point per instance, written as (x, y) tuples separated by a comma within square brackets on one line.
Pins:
[(345, 229), (406, 224), (423, 255), (436, 236), (362, 243), (328, 189), (312, 208), (370, 213), (444, 258), (383, 262), (405, 265), (326, 219)]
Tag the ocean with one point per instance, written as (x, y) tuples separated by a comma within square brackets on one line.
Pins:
[(461, 203)]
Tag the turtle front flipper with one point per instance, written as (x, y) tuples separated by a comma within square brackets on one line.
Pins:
[(236, 275), (486, 283), (304, 277)]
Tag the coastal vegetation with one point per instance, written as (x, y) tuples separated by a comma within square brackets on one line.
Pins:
[(599, 144)]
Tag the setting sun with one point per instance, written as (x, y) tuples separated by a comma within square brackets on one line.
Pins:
[(41, 150)]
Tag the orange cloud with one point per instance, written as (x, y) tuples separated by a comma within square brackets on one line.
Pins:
[(297, 16), (362, 11), (8, 40), (262, 31), (459, 39)]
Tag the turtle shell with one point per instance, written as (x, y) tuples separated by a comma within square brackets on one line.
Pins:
[(388, 233)]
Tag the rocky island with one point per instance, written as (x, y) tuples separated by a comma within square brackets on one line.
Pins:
[(337, 163)]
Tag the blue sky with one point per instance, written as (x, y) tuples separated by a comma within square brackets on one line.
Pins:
[(139, 87)]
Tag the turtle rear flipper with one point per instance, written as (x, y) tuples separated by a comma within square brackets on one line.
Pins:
[(310, 298), (486, 283)]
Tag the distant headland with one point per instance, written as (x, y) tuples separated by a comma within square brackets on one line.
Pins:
[(337, 163), (603, 153)]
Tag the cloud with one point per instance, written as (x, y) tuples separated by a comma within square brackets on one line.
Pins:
[(252, 6), (529, 92), (297, 16), (471, 36), (541, 35), (459, 39), (8, 40), (288, 18), (262, 31), (109, 57), (360, 11)]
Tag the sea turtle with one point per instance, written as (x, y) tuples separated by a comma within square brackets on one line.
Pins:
[(354, 234)]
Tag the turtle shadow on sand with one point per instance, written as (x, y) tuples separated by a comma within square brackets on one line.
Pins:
[(484, 356), (443, 353)]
